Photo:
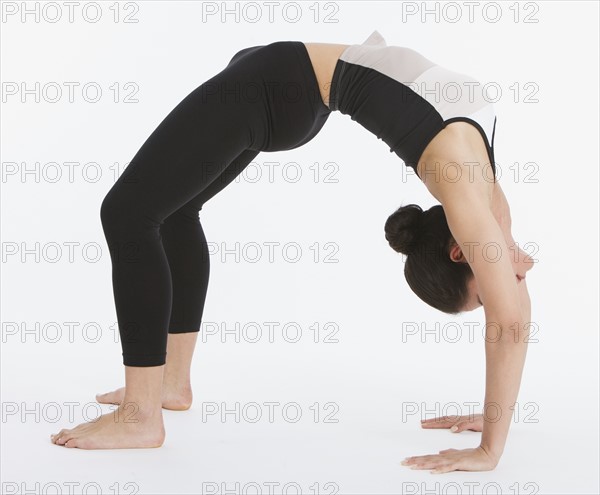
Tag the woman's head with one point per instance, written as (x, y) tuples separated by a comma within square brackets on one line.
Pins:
[(431, 273)]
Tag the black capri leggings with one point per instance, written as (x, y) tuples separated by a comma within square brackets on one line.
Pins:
[(266, 99)]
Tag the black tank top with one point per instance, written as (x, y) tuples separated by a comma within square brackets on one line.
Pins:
[(405, 99)]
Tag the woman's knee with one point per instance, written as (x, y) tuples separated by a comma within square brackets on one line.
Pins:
[(124, 214), (112, 211)]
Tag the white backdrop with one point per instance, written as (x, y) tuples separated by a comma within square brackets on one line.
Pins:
[(352, 349)]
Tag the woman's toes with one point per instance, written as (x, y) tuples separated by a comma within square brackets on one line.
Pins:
[(66, 437), (56, 436), (112, 397), (72, 442)]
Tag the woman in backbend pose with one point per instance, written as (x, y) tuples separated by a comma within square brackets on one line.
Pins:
[(277, 97)]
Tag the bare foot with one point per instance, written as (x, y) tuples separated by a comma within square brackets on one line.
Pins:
[(173, 398), (127, 427)]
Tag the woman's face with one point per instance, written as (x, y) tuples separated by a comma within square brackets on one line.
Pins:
[(521, 263)]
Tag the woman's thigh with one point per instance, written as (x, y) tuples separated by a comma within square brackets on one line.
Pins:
[(192, 146), (235, 168), (265, 99)]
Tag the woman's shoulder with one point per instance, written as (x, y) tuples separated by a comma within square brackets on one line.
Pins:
[(456, 159)]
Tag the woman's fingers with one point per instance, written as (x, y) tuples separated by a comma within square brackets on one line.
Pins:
[(455, 423), (440, 422), (458, 427), (466, 425)]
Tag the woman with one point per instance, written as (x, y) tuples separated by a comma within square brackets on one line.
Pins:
[(277, 97)]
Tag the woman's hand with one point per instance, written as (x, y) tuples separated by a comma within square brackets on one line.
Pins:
[(453, 460), (473, 422)]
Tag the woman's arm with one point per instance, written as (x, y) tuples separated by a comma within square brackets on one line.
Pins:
[(480, 236), (506, 311), (471, 205), (474, 422)]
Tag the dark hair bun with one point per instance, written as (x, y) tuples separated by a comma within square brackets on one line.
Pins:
[(403, 227)]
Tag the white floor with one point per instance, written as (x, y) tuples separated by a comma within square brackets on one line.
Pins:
[(552, 446)]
